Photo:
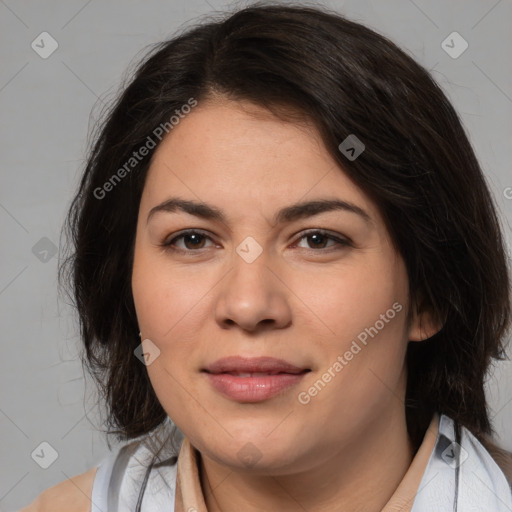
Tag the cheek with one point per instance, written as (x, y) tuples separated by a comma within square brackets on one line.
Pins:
[(166, 297), (363, 312), (345, 301), (171, 305), (169, 313)]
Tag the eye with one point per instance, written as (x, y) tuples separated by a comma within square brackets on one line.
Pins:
[(319, 239), (191, 239)]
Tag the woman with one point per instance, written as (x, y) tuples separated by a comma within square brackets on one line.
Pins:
[(283, 242)]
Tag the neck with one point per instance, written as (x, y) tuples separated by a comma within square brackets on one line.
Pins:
[(361, 477)]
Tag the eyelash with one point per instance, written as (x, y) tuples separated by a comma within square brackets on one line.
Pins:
[(168, 246)]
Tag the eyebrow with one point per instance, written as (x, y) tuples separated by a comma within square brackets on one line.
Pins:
[(285, 215)]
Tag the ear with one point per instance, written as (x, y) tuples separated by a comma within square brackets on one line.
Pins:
[(424, 323)]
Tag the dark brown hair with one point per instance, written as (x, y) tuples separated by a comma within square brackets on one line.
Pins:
[(418, 166)]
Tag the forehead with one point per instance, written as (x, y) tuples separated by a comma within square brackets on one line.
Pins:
[(236, 151), (225, 134)]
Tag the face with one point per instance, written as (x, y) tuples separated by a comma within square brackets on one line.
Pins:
[(321, 291)]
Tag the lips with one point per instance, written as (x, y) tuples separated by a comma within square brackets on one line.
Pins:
[(241, 366), (252, 374), (253, 379)]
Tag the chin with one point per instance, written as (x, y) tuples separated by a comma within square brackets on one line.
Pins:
[(255, 453)]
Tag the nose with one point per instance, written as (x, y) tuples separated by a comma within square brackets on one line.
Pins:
[(253, 297)]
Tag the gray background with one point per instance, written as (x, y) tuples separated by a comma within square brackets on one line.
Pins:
[(46, 104)]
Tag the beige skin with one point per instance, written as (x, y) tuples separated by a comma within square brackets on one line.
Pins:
[(301, 300)]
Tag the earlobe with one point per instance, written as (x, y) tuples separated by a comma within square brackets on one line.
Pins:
[(424, 324)]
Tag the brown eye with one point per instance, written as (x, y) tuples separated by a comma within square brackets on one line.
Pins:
[(319, 239), (192, 240)]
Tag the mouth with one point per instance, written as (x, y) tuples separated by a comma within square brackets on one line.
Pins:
[(244, 375), (253, 365), (249, 380)]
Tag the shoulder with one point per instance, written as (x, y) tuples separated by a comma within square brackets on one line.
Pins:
[(71, 494)]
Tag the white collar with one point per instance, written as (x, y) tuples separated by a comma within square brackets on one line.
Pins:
[(461, 477)]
